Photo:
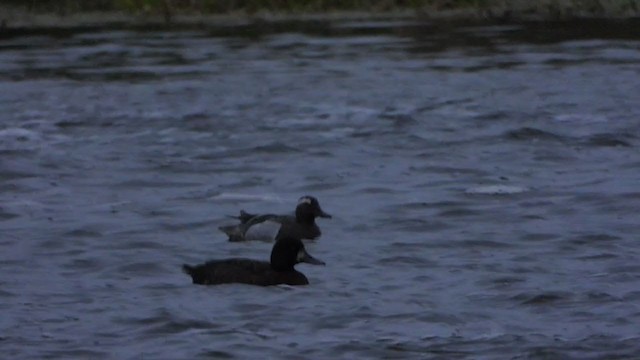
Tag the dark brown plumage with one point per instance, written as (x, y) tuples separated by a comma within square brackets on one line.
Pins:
[(286, 253)]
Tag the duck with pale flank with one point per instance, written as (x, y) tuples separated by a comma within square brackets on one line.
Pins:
[(286, 253), (269, 227)]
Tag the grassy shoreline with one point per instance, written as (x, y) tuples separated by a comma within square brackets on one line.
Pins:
[(180, 13)]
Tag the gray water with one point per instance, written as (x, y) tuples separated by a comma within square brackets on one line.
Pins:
[(483, 182)]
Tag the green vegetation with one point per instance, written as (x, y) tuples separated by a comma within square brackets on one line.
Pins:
[(34, 13), (250, 6)]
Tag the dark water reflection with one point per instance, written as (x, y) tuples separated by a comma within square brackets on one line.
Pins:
[(483, 182)]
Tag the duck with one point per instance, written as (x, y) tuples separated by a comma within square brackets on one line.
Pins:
[(271, 227), (286, 253)]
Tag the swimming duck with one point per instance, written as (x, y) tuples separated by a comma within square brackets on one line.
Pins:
[(270, 226), (286, 253)]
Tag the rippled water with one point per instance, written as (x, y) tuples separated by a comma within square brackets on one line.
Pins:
[(483, 182)]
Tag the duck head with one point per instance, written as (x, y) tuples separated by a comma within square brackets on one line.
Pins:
[(308, 209)]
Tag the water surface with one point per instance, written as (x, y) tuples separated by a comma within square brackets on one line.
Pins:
[(483, 182)]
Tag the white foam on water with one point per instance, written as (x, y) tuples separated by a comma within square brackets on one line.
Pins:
[(497, 190), (19, 139), (580, 118)]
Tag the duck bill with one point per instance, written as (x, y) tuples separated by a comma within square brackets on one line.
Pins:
[(323, 214), (311, 260)]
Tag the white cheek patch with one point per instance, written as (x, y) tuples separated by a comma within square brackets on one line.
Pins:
[(301, 255), (304, 200)]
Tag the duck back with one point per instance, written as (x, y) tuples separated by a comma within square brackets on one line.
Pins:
[(245, 271)]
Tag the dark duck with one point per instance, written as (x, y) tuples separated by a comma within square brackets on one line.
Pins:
[(271, 226), (286, 253)]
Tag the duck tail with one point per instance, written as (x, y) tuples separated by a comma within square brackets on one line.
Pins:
[(244, 216), (196, 272), (228, 229), (234, 232), (188, 269)]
